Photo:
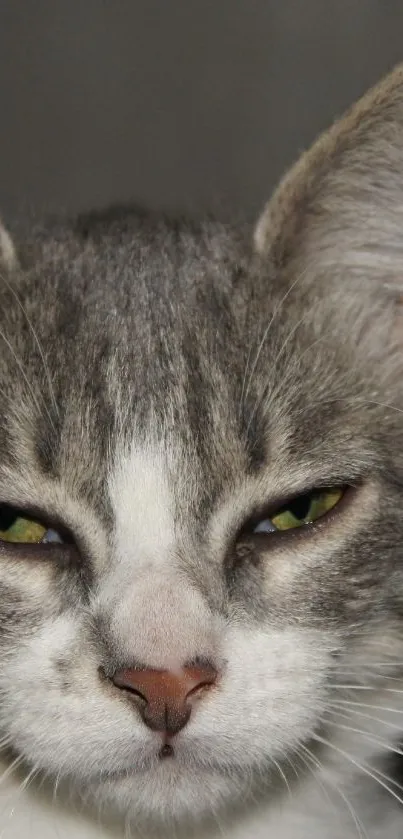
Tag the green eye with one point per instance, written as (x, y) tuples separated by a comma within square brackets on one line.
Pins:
[(14, 527), (304, 509)]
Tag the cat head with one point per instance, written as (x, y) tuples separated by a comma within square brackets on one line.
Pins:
[(200, 482)]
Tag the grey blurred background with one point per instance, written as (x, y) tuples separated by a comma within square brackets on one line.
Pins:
[(176, 103)]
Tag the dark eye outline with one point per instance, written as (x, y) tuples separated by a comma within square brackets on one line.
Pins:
[(49, 522), (247, 534)]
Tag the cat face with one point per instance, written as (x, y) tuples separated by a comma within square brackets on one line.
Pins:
[(200, 484)]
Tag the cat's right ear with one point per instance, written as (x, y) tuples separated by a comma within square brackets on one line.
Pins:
[(338, 213), (8, 253)]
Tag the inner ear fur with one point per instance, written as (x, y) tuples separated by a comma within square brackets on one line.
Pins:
[(8, 253), (341, 204)]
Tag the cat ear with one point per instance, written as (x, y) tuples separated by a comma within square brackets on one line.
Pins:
[(341, 205), (8, 254)]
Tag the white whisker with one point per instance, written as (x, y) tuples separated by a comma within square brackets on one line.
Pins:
[(283, 776), (21, 369), (349, 702), (36, 339), (356, 820), (241, 400), (362, 768), (18, 761), (373, 738), (286, 341), (267, 330), (355, 712), (365, 687), (383, 405)]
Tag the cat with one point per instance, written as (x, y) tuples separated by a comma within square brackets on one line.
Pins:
[(201, 488)]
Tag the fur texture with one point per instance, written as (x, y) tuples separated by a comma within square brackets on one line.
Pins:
[(165, 383)]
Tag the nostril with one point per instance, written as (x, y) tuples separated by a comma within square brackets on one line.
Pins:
[(121, 681), (200, 688), (164, 697)]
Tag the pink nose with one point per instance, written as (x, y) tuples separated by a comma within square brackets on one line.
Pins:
[(165, 697)]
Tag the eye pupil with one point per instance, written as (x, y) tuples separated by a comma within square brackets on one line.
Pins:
[(300, 506), (8, 517)]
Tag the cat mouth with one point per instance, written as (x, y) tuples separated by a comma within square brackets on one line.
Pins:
[(166, 751), (166, 754), (168, 758)]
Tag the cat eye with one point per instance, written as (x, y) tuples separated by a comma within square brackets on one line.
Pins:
[(16, 527), (301, 510)]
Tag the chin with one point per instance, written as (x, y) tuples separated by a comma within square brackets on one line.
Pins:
[(172, 794)]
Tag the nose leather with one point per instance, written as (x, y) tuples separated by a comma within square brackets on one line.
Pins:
[(165, 697)]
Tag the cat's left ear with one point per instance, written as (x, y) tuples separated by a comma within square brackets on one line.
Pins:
[(339, 211), (8, 254)]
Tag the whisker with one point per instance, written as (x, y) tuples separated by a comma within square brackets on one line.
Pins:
[(27, 382), (56, 786), (383, 405), (371, 664), (347, 715), (361, 767), (318, 767), (260, 399), (276, 311), (293, 767), (23, 786), (351, 702), (378, 679), (283, 776), (373, 738), (353, 686), (21, 369), (28, 779), (36, 339), (241, 400), (18, 761), (362, 833), (366, 687)]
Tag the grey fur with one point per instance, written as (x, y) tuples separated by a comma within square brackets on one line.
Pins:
[(261, 370)]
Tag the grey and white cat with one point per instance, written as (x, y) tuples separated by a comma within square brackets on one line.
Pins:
[(201, 491)]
